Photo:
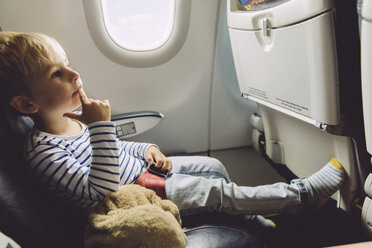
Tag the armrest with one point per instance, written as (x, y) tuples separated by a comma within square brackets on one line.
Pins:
[(134, 123)]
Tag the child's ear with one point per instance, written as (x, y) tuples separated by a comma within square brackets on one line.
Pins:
[(24, 104)]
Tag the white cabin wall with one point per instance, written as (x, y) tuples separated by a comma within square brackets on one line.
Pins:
[(230, 113), (181, 88)]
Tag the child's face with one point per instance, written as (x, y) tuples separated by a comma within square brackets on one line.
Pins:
[(57, 87)]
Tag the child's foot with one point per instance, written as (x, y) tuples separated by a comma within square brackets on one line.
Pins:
[(326, 181)]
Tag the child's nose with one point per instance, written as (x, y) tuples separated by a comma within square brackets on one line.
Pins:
[(74, 75)]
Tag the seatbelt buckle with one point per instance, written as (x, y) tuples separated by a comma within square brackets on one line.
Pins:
[(157, 171)]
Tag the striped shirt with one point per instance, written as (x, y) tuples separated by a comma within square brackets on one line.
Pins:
[(85, 167)]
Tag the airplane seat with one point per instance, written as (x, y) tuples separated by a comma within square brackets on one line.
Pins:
[(285, 54), (365, 29), (32, 217)]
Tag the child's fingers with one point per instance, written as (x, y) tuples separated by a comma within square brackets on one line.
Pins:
[(149, 160), (167, 165), (164, 166), (170, 166), (83, 96), (164, 163), (159, 162)]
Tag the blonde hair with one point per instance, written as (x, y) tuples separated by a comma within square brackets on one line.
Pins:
[(23, 57)]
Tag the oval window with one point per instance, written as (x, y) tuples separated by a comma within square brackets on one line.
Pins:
[(139, 25)]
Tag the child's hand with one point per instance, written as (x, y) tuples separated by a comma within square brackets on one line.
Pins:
[(92, 110), (153, 155)]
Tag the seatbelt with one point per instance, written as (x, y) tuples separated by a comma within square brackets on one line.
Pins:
[(153, 178)]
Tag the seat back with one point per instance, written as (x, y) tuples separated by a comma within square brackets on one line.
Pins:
[(365, 28), (305, 83), (29, 214)]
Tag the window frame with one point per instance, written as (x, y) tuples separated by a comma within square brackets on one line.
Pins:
[(98, 31)]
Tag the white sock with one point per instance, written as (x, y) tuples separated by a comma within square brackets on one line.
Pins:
[(326, 181)]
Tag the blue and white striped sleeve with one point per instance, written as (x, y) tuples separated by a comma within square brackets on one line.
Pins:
[(107, 160), (97, 167), (60, 169), (114, 163), (136, 149)]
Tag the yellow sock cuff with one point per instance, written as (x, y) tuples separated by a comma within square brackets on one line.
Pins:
[(272, 222), (336, 163)]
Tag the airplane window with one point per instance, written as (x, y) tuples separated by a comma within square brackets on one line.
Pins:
[(139, 25), (138, 33)]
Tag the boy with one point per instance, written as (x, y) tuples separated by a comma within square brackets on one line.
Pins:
[(79, 156)]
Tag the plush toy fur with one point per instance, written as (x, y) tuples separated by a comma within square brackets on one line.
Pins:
[(135, 217)]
